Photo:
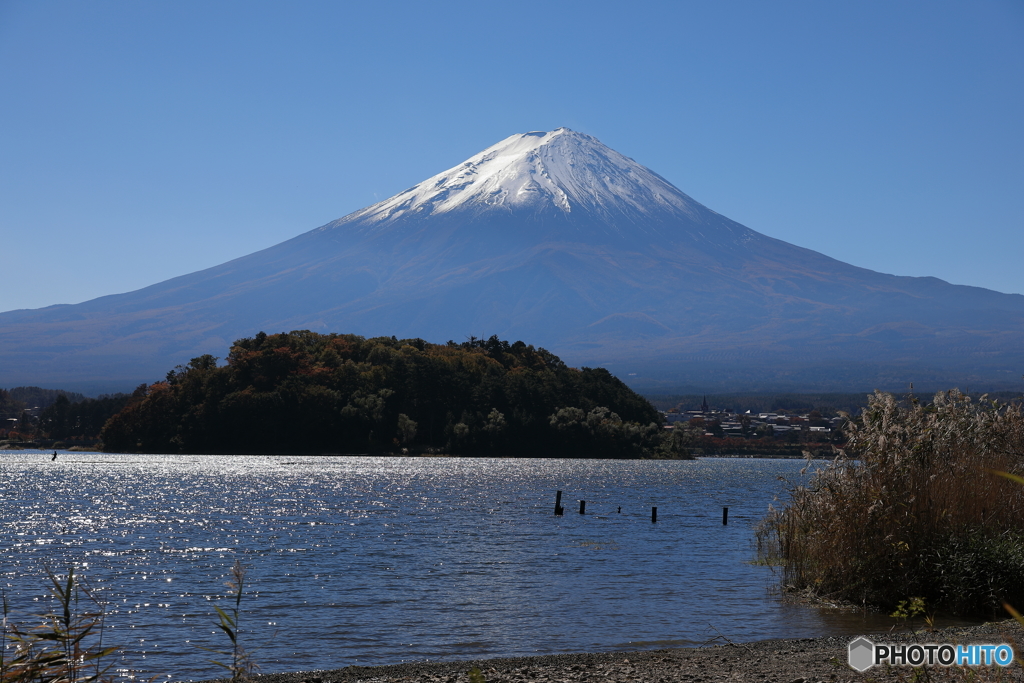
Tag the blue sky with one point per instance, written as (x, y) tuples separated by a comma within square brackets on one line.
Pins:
[(144, 140)]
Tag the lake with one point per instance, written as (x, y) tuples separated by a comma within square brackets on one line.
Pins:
[(378, 560)]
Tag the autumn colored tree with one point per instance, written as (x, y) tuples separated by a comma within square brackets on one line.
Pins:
[(304, 392)]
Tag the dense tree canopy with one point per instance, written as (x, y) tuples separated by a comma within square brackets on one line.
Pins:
[(67, 418), (304, 392), (13, 402)]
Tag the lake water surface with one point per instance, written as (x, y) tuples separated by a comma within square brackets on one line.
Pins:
[(365, 560)]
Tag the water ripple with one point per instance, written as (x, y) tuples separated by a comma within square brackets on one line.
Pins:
[(362, 560)]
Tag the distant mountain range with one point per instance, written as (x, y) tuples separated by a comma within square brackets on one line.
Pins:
[(558, 240)]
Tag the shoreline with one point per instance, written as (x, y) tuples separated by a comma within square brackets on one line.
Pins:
[(805, 660)]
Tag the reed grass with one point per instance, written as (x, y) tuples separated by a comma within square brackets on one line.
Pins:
[(67, 644), (912, 509), (236, 660), (66, 647)]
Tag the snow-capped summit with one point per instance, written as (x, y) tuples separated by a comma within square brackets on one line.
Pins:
[(561, 172)]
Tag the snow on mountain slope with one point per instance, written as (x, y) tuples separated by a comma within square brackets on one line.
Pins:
[(561, 171)]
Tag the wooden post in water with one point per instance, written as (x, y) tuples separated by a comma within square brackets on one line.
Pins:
[(583, 506), (558, 502), (725, 516), (654, 514)]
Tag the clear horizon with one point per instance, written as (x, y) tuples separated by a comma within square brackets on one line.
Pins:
[(143, 142)]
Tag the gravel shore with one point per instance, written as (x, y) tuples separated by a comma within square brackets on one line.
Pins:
[(769, 661)]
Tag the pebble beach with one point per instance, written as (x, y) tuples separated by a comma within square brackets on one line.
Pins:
[(770, 661)]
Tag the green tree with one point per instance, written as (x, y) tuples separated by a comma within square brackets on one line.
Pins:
[(406, 429), (313, 393)]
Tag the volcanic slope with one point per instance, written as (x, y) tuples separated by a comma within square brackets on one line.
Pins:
[(558, 240)]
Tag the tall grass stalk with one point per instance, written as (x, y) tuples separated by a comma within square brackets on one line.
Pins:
[(3, 635), (912, 509), (67, 647), (241, 665)]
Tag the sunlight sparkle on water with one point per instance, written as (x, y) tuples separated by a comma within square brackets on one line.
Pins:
[(379, 560)]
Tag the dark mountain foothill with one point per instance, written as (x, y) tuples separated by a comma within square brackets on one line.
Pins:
[(555, 238)]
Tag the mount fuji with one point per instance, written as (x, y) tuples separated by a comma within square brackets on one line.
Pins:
[(558, 240)]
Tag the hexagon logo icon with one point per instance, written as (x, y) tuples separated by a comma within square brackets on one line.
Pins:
[(862, 654)]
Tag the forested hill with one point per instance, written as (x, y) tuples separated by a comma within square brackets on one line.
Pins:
[(304, 392)]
